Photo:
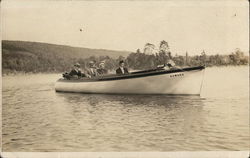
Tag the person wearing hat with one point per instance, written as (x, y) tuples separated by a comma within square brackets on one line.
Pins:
[(91, 71), (76, 71), (122, 70), (101, 70)]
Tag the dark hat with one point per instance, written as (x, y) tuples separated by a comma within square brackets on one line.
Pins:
[(121, 61), (77, 65)]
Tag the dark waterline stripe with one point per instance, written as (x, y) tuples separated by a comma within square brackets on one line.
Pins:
[(129, 94)]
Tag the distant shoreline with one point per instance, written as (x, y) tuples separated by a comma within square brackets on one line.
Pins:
[(27, 73), (19, 57), (20, 73)]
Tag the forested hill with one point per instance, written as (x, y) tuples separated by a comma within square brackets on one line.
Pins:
[(20, 56), (44, 57)]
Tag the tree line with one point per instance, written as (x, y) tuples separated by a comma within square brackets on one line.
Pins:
[(19, 59)]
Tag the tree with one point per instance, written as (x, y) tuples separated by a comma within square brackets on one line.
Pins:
[(238, 57), (164, 47), (203, 57), (138, 51), (187, 59), (149, 48)]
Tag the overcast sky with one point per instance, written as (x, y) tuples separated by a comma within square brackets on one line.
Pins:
[(193, 26)]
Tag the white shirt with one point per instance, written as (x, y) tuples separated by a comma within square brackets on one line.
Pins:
[(122, 70), (92, 71)]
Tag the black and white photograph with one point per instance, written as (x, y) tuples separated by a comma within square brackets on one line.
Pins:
[(125, 79)]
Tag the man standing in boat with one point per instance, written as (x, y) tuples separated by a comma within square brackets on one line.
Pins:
[(122, 70)]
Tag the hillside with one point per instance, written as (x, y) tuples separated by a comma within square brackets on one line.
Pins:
[(44, 57), (20, 56)]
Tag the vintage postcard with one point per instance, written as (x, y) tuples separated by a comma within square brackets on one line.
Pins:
[(126, 79)]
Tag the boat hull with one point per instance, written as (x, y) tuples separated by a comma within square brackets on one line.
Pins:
[(177, 82)]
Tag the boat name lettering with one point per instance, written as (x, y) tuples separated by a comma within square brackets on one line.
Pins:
[(176, 75)]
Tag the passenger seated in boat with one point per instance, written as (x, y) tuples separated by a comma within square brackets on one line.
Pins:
[(169, 65), (92, 71), (101, 70), (122, 69), (76, 71)]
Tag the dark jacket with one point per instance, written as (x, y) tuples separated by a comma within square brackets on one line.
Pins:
[(119, 71), (76, 73), (102, 71)]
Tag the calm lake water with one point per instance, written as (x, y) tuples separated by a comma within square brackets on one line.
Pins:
[(36, 118)]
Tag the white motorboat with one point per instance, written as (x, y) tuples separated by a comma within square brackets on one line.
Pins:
[(186, 81)]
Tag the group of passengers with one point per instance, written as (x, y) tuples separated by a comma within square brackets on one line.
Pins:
[(93, 71)]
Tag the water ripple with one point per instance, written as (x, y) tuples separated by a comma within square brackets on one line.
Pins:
[(36, 118)]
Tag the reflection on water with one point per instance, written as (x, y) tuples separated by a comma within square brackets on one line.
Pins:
[(36, 118), (126, 120)]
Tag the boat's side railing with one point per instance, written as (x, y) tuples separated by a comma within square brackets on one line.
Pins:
[(133, 74)]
